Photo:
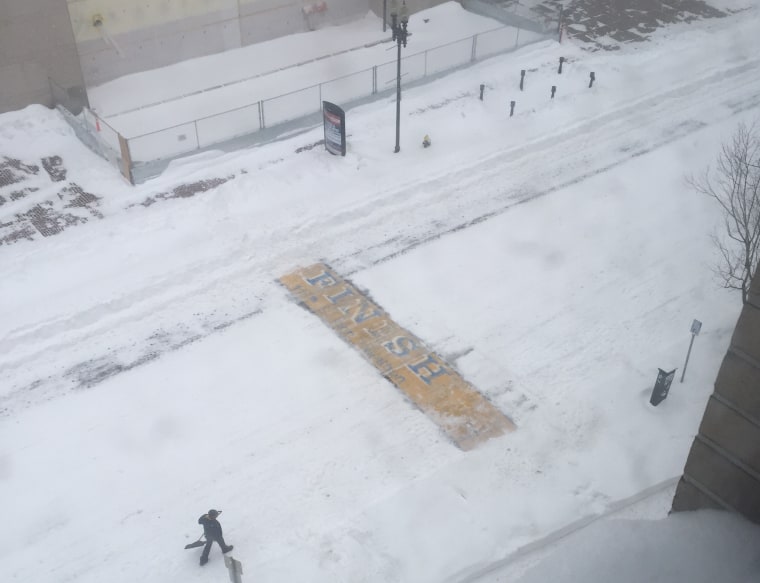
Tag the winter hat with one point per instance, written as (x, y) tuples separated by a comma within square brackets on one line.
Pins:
[(213, 513)]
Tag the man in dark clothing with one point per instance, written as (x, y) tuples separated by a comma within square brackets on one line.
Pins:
[(213, 532)]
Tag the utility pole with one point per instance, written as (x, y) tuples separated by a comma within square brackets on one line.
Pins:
[(399, 23)]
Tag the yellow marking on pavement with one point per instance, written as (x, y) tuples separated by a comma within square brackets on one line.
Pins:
[(438, 390)]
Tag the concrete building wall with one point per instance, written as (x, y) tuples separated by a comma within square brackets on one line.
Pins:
[(723, 467), (36, 42), (83, 43), (118, 37), (413, 5)]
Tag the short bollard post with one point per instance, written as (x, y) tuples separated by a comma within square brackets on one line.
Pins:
[(561, 60), (592, 78), (482, 88), (511, 108), (554, 90), (522, 78)]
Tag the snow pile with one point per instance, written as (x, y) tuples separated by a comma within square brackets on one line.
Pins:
[(693, 547)]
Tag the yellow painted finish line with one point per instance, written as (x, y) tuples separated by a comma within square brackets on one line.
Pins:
[(438, 390)]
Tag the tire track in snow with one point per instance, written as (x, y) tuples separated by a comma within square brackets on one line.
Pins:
[(462, 178), (450, 202), (483, 181)]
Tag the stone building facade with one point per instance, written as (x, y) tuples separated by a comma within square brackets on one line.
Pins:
[(723, 467)]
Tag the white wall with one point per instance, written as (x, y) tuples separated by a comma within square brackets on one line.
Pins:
[(136, 35)]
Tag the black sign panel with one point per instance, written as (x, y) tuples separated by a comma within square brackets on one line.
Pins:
[(661, 386), (335, 128)]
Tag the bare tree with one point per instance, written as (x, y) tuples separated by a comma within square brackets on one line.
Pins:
[(735, 185)]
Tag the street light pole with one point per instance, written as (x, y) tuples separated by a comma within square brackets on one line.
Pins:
[(399, 22), (398, 98)]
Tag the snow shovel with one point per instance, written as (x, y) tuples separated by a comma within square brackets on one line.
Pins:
[(199, 543)]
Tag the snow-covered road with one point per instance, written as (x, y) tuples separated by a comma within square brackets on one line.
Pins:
[(387, 218), (151, 364)]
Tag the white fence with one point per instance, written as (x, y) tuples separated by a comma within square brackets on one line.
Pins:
[(247, 120)]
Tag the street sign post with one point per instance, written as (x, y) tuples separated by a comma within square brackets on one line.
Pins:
[(696, 326)]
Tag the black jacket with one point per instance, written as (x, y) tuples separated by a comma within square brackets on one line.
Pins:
[(211, 527)]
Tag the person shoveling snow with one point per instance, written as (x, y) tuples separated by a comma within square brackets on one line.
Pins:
[(212, 530)]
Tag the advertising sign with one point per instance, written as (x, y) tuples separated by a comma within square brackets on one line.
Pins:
[(335, 128)]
